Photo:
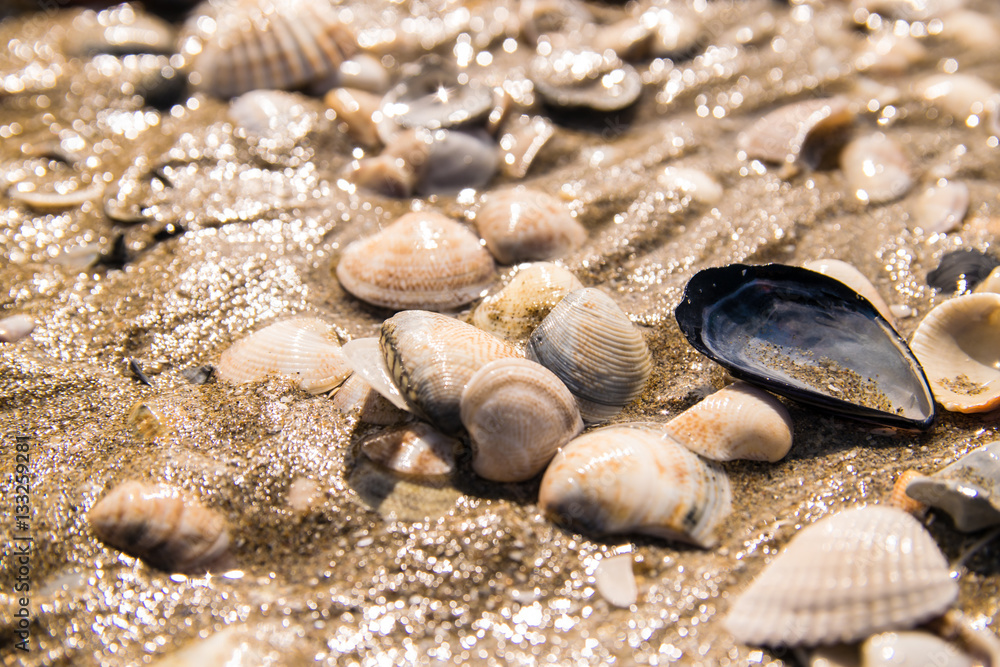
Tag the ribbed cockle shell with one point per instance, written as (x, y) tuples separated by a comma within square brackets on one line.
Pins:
[(522, 224), (516, 310)]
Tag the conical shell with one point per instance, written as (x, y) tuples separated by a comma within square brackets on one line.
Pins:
[(517, 413), (737, 422), (592, 346), (303, 349), (862, 571), (516, 310), (635, 479), (432, 357), (522, 224), (423, 260), (156, 524), (968, 489)]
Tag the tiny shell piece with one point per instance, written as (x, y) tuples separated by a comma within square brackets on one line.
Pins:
[(968, 489), (423, 260), (959, 95), (515, 311), (15, 327), (357, 396), (793, 133), (355, 108), (615, 580), (156, 524), (414, 449), (695, 183), (899, 498), (862, 571), (850, 276), (522, 224), (739, 421), (941, 208), (876, 168)]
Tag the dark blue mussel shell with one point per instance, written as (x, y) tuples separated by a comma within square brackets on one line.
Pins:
[(806, 336)]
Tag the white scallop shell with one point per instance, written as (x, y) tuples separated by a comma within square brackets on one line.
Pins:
[(303, 349), (876, 168), (158, 525), (518, 414), (423, 260), (522, 224), (417, 450), (15, 327), (958, 345), (739, 421), (862, 571), (857, 281), (357, 396), (636, 479), (941, 208), (782, 136), (516, 310)]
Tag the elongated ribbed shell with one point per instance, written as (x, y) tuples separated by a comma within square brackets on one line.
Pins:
[(862, 571), (517, 413), (636, 479), (968, 489), (516, 310), (303, 349), (423, 260), (592, 346), (158, 525), (431, 358), (737, 422), (417, 450), (521, 224)]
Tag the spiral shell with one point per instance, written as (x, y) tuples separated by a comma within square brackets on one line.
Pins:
[(518, 414), (859, 572), (423, 260), (635, 479), (592, 346), (156, 524), (521, 224), (304, 349), (516, 310)]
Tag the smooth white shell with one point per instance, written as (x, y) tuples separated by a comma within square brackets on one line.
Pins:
[(303, 349), (15, 327), (357, 396), (876, 168), (415, 449), (901, 649), (941, 208), (522, 224), (862, 571), (959, 95), (694, 183), (615, 580), (516, 310), (857, 281)]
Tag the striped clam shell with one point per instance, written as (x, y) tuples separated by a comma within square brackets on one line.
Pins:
[(516, 310), (424, 260), (236, 46), (518, 414), (592, 346), (635, 479), (523, 224), (303, 349), (415, 449), (431, 359), (862, 571)]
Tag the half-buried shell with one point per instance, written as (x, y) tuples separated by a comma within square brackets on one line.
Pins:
[(968, 489), (516, 310), (521, 224)]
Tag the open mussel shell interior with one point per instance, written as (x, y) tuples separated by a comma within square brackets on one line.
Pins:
[(808, 337)]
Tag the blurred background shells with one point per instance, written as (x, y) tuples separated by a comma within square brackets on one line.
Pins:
[(15, 327), (415, 449), (516, 310), (517, 413), (699, 185), (962, 270), (968, 489), (581, 78), (356, 396), (423, 260), (523, 224), (942, 207), (963, 96), (160, 526), (797, 133), (306, 350), (876, 168), (636, 479)]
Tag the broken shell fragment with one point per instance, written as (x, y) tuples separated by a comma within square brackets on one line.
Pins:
[(522, 224), (799, 133), (968, 489), (516, 310), (417, 450), (876, 168)]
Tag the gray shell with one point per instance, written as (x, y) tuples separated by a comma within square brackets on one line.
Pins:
[(968, 489)]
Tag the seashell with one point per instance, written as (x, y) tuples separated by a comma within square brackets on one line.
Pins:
[(364, 72), (676, 30), (832, 349), (628, 38), (615, 580), (892, 649), (516, 310), (423, 260), (236, 46), (899, 498), (974, 31), (156, 524), (16, 327), (907, 10), (417, 450), (963, 96), (968, 489), (850, 276), (581, 78), (432, 358), (523, 224), (52, 197), (365, 356), (634, 479), (962, 270), (861, 571), (273, 115), (354, 108), (593, 347), (457, 160), (303, 349), (991, 283), (518, 414), (876, 168), (739, 421), (156, 418), (522, 140), (357, 396), (891, 54), (798, 133), (402, 497), (119, 31), (941, 208), (694, 183), (385, 174), (545, 17), (958, 343)]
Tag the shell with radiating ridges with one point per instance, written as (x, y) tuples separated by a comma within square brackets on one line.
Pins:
[(416, 450), (593, 347), (303, 349), (523, 224), (424, 260), (431, 359), (157, 524), (518, 414), (968, 489), (636, 479), (737, 422), (862, 571), (516, 310)]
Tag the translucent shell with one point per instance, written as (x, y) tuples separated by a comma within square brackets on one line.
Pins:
[(634, 479), (521, 224), (156, 524), (516, 310), (423, 260), (357, 396), (303, 349), (517, 413), (968, 489), (859, 572)]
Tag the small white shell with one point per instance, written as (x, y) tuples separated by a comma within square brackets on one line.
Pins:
[(515, 311), (959, 95), (15, 327), (356, 395), (416, 450), (615, 580), (862, 571), (354, 108), (695, 183), (156, 524), (423, 260), (941, 208), (303, 349), (273, 114), (782, 136), (517, 413), (850, 276), (876, 168), (365, 356), (522, 224), (899, 649), (739, 421), (636, 479), (523, 138), (958, 345)]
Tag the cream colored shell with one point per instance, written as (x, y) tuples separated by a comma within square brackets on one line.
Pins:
[(515, 311), (357, 396), (417, 450), (522, 224), (853, 278), (876, 168), (781, 135)]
